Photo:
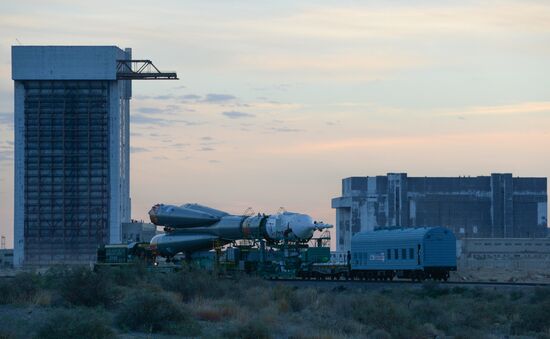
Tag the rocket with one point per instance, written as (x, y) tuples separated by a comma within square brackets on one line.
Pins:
[(193, 227)]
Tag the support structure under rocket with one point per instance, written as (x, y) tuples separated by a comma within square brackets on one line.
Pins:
[(192, 227)]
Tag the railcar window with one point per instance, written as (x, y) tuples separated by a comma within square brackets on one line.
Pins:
[(411, 253), (389, 254), (403, 253), (396, 253)]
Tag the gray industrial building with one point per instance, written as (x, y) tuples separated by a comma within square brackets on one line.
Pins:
[(496, 206), (72, 109), (138, 231)]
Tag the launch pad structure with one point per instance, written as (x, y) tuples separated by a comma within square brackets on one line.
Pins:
[(280, 259)]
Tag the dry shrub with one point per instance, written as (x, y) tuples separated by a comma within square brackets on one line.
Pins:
[(75, 323), (213, 314), (256, 297), (210, 314), (383, 313), (287, 299), (153, 312), (379, 334), (319, 334), (43, 298)]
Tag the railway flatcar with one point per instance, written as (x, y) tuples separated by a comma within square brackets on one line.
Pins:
[(407, 253)]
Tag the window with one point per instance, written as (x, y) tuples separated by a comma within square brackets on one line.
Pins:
[(403, 253), (396, 253), (389, 254), (411, 253)]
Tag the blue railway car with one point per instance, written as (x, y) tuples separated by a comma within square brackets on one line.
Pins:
[(409, 253)]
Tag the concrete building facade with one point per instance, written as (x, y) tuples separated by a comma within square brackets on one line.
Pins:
[(71, 152), (495, 206), (6, 258), (138, 231)]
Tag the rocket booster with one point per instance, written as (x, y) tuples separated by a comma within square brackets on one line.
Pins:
[(193, 227)]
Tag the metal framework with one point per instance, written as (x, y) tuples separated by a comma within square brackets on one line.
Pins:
[(66, 170), (141, 70)]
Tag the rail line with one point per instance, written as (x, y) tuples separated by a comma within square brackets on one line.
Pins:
[(359, 283)]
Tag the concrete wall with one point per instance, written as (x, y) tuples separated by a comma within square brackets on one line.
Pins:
[(509, 253), (487, 206)]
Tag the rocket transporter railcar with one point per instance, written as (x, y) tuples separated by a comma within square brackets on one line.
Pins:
[(408, 253)]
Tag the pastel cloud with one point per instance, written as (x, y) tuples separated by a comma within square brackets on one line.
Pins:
[(237, 115), (218, 98), (405, 142), (510, 109)]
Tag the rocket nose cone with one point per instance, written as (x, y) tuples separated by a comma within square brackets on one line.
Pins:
[(153, 213), (302, 225)]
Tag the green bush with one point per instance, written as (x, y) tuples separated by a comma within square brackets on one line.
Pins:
[(75, 323), (82, 287), (516, 295), (433, 289), (153, 312), (541, 294), (125, 275), (533, 318), (380, 312), (193, 284), (20, 289), (252, 329)]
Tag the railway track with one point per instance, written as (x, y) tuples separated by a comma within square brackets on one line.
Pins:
[(361, 283), (375, 283)]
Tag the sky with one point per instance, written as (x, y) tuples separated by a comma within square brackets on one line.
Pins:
[(278, 101)]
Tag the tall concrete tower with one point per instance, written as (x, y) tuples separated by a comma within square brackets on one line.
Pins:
[(71, 152)]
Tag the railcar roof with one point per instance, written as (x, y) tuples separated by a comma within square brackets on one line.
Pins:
[(400, 234)]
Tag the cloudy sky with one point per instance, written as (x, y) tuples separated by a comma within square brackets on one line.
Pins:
[(278, 101)]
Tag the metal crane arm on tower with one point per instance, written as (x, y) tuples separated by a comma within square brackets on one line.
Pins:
[(141, 70)]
